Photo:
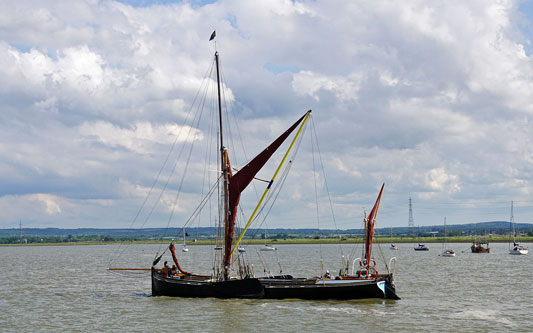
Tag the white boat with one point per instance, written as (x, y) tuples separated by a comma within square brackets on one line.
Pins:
[(241, 249), (184, 248), (268, 248), (447, 252), (516, 249)]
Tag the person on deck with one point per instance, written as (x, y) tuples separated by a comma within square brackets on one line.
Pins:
[(166, 269)]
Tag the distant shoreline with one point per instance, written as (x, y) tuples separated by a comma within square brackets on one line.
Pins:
[(381, 240)]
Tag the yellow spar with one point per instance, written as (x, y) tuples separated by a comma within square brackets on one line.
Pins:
[(271, 182)]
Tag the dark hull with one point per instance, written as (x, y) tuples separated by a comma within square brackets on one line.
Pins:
[(480, 250), (273, 288), (281, 288), (246, 288)]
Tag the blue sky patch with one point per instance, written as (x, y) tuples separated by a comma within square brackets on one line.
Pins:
[(276, 69), (526, 26)]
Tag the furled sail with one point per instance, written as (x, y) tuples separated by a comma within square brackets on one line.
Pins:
[(240, 180), (369, 227)]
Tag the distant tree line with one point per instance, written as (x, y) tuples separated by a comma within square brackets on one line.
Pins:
[(69, 239), (56, 235)]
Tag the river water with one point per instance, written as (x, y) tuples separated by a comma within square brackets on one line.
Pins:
[(52, 288)]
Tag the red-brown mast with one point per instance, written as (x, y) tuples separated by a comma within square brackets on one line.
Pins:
[(225, 172), (369, 228)]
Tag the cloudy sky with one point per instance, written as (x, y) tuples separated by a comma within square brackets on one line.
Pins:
[(433, 98)]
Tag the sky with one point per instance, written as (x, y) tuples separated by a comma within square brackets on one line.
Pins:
[(432, 98)]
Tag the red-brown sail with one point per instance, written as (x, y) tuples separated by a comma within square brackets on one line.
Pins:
[(369, 227), (239, 181)]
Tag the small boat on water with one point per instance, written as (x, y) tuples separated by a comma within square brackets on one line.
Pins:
[(268, 248), (184, 248), (446, 252), (420, 247), (516, 249), (480, 245), (392, 245)]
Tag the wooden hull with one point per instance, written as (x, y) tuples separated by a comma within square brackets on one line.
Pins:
[(283, 287), (480, 249), (205, 287)]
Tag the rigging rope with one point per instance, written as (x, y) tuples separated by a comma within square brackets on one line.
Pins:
[(115, 256), (316, 205), (325, 181)]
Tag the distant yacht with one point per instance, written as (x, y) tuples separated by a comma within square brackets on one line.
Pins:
[(392, 245), (268, 248), (185, 248), (517, 248), (446, 252), (420, 247)]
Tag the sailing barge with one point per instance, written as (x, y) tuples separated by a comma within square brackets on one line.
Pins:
[(363, 282)]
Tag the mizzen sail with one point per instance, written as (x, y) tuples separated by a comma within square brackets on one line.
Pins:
[(369, 227)]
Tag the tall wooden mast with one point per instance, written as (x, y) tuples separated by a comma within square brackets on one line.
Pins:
[(225, 172)]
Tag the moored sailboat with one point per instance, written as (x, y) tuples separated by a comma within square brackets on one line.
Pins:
[(184, 248), (446, 252), (420, 246), (267, 247), (392, 245), (516, 249)]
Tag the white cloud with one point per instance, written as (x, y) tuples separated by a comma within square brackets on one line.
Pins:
[(309, 83), (141, 137), (432, 98)]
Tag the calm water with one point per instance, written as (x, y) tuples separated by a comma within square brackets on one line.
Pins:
[(68, 288)]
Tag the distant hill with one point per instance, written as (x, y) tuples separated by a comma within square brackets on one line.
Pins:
[(481, 228)]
